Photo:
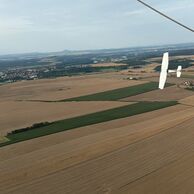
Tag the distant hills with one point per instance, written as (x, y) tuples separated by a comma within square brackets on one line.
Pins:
[(66, 58), (170, 47)]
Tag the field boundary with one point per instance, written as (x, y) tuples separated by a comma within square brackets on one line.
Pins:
[(85, 120)]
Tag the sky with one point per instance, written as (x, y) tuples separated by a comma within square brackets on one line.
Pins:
[(56, 25)]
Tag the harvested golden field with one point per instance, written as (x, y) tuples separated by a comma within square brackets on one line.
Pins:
[(61, 88), (147, 153), (51, 140), (168, 94), (111, 160), (188, 101), (168, 179), (16, 115)]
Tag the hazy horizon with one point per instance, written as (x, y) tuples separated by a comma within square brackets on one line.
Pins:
[(51, 26), (79, 50)]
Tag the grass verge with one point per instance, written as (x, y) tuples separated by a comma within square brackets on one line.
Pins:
[(85, 120)]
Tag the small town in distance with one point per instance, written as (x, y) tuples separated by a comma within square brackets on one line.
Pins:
[(67, 63)]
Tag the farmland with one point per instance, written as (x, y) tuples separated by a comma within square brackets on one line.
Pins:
[(63, 88), (115, 157), (169, 94), (21, 114), (85, 120), (118, 94), (98, 133)]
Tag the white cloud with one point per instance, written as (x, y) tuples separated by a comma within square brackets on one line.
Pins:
[(133, 13)]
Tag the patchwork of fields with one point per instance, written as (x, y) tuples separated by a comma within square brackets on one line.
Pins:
[(103, 134), (63, 88)]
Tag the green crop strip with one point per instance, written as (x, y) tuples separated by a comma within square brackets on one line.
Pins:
[(118, 94), (85, 120)]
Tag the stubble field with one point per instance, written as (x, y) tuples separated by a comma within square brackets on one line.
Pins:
[(146, 153)]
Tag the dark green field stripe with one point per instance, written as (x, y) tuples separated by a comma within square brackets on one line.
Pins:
[(86, 120), (118, 94)]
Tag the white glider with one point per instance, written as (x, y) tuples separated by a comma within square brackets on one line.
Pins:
[(178, 73), (165, 71)]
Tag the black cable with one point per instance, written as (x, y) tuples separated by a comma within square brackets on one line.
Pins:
[(173, 20)]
